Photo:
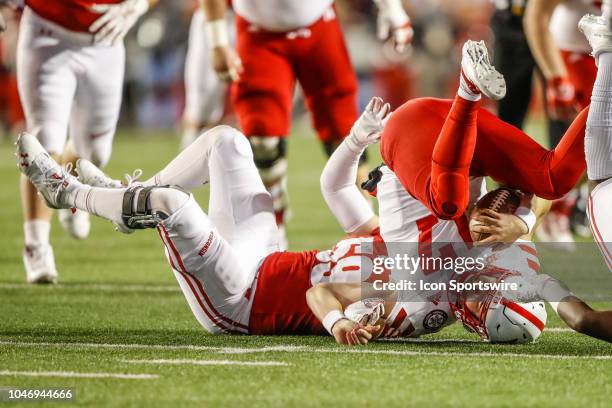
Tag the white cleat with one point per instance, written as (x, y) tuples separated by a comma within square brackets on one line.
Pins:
[(90, 174), (598, 33), (52, 181), (76, 223), (39, 264), (478, 71)]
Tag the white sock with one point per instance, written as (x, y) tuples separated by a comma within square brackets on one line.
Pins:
[(103, 202), (36, 232), (464, 90), (598, 137)]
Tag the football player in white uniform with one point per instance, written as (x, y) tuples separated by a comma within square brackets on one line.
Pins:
[(204, 91), (70, 63)]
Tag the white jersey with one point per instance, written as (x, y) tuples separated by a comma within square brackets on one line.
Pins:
[(281, 15), (564, 24), (403, 218)]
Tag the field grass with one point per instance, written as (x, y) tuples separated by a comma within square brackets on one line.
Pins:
[(118, 310)]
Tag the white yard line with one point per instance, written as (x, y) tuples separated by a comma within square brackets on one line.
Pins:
[(559, 330), (247, 350), (306, 349), (117, 287), (72, 374), (210, 362), (108, 345)]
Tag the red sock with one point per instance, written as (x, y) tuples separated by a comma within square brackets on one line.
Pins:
[(452, 155)]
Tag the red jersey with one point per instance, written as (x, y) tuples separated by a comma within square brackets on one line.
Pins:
[(73, 15), (280, 307)]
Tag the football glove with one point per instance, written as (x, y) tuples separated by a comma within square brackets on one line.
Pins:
[(365, 312), (369, 126), (116, 20), (393, 23), (560, 98)]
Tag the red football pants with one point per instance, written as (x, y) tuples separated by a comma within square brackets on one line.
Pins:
[(581, 71), (435, 145), (317, 58)]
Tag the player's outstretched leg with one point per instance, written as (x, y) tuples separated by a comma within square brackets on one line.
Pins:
[(211, 274), (240, 207), (598, 137), (454, 148)]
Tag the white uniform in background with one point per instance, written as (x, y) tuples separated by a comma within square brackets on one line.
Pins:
[(205, 92), (69, 87), (564, 24)]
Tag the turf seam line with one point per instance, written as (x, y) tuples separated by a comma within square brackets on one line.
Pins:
[(304, 349), (210, 362), (73, 374)]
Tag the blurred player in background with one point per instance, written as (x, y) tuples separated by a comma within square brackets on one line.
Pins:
[(513, 59), (562, 54), (70, 66), (281, 42), (12, 119), (205, 92)]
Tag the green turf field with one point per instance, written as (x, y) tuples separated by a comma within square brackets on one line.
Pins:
[(118, 311)]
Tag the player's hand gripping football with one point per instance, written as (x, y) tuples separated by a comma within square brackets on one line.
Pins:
[(500, 227), (227, 63), (560, 98), (116, 20), (393, 23), (368, 128), (346, 331)]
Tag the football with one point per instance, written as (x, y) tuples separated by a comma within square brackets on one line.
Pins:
[(502, 200)]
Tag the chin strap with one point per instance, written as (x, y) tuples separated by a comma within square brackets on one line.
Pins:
[(141, 215)]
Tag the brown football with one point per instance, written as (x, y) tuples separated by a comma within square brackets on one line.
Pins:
[(502, 200)]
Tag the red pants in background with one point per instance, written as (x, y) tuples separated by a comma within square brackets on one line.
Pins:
[(581, 71), (316, 57), (434, 145)]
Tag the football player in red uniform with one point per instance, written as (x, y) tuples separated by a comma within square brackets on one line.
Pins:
[(434, 146), (279, 43)]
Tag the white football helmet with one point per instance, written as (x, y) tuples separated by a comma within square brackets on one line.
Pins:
[(499, 319), (512, 322)]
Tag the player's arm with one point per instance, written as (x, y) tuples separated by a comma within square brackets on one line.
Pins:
[(560, 93), (342, 196), (225, 60), (573, 311), (328, 301), (393, 23)]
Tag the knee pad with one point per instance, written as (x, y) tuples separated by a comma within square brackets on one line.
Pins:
[(450, 194), (270, 157), (146, 207)]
